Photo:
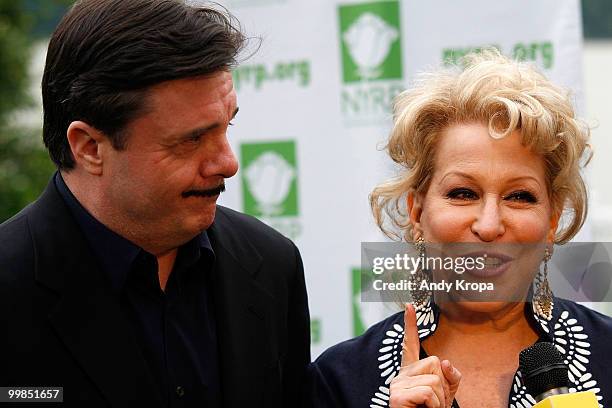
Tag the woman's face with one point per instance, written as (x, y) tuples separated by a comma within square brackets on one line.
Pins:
[(486, 191)]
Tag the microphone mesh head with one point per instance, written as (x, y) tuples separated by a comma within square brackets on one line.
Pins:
[(542, 368)]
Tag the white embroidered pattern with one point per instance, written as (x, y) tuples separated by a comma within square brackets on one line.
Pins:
[(568, 336), (573, 343), (520, 397)]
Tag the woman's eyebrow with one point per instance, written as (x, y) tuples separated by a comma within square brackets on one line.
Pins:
[(458, 173), (472, 178)]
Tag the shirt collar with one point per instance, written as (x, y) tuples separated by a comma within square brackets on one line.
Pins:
[(116, 253)]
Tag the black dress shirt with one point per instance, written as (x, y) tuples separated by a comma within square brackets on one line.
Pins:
[(175, 328)]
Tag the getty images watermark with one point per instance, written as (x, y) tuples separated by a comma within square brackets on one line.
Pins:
[(411, 265), (392, 272)]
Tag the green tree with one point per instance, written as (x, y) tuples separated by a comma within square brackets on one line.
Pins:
[(25, 167)]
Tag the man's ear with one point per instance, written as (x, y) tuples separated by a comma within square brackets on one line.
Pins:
[(415, 208), (84, 141)]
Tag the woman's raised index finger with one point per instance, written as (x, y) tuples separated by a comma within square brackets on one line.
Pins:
[(411, 345)]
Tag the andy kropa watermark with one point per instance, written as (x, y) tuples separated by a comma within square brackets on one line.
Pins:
[(486, 272), (412, 265)]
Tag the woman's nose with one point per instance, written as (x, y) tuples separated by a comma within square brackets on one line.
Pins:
[(489, 225)]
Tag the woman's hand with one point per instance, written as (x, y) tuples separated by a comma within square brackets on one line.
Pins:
[(429, 382)]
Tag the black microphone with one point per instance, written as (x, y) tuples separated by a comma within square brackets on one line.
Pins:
[(545, 377)]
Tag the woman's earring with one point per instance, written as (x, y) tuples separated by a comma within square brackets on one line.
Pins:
[(420, 297), (543, 298)]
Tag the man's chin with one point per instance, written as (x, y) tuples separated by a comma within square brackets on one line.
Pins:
[(203, 220)]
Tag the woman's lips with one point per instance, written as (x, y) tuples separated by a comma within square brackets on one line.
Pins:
[(495, 264)]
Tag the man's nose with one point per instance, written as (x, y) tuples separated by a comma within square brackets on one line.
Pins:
[(220, 160), (488, 224)]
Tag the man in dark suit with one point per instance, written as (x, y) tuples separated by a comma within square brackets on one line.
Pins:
[(125, 283)]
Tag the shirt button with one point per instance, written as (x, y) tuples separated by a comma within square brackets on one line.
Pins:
[(180, 391)]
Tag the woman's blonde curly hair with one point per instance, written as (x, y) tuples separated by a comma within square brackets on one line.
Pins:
[(505, 95)]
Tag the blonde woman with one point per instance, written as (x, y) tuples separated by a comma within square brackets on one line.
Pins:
[(490, 155)]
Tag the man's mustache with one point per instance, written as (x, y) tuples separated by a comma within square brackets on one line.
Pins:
[(205, 193)]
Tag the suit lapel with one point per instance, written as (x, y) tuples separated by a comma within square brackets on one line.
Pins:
[(87, 317), (247, 342)]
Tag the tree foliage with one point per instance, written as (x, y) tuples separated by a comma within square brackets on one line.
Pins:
[(25, 167), (14, 56)]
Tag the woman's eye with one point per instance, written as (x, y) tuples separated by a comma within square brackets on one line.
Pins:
[(462, 194), (523, 196)]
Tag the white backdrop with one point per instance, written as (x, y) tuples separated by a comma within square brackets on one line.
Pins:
[(315, 108)]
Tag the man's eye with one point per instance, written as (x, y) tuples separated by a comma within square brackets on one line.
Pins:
[(462, 194), (522, 196), (193, 139)]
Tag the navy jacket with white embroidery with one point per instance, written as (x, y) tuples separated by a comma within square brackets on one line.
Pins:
[(357, 373)]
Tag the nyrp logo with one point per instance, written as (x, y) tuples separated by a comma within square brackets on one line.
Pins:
[(371, 51), (370, 41), (269, 179), (270, 184)]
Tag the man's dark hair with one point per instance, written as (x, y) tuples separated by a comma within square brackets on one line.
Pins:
[(105, 54)]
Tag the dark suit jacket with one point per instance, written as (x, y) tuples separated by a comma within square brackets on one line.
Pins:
[(62, 325)]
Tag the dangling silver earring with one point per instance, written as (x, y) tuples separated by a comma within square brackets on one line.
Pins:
[(543, 298), (420, 298)]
